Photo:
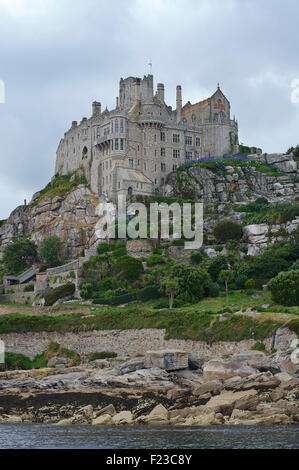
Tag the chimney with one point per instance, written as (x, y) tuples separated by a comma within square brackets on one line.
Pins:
[(160, 92), (96, 108), (117, 102), (137, 96), (178, 103), (74, 124)]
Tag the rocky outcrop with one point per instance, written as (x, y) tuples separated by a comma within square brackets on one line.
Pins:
[(235, 184), (250, 388), (71, 217)]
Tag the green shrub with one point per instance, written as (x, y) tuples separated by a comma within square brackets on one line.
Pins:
[(178, 242), (149, 293), (258, 346), (19, 255), (86, 290), (59, 292), (154, 259), (219, 248), (294, 266), (285, 288), (217, 264), (29, 288), (212, 290), (241, 273), (227, 230), (51, 251), (116, 300), (128, 268), (93, 356), (103, 248), (164, 303), (196, 257), (250, 284), (15, 361), (289, 213)]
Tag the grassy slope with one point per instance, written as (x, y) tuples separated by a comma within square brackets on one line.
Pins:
[(197, 322)]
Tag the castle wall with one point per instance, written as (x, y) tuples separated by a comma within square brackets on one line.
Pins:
[(143, 134)]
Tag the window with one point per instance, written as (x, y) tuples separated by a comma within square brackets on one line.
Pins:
[(155, 152), (155, 180), (188, 140), (119, 185), (111, 144), (197, 141), (131, 162), (176, 153), (174, 167), (98, 132), (188, 155), (144, 136), (121, 144), (163, 167), (110, 164), (144, 166), (116, 126), (112, 127), (121, 127), (155, 138), (162, 136), (138, 162), (116, 144), (144, 152), (176, 138), (162, 152)]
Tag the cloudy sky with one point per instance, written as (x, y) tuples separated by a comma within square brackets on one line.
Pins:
[(57, 56)]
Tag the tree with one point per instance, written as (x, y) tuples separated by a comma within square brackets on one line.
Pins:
[(226, 276), (19, 254), (171, 287), (285, 288), (227, 230), (217, 264), (51, 251), (192, 281)]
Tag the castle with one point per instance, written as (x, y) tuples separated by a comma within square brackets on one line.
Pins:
[(132, 149)]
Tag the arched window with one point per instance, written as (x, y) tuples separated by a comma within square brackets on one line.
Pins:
[(130, 191), (84, 152)]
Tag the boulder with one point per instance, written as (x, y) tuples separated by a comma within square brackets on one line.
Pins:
[(66, 422), (104, 419), (124, 417), (109, 410), (132, 365), (284, 338), (226, 401), (214, 387), (158, 416), (221, 369), (168, 359)]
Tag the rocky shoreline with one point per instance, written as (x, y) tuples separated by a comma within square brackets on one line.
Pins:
[(161, 388)]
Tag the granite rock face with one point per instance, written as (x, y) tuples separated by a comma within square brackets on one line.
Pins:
[(72, 218), (167, 359)]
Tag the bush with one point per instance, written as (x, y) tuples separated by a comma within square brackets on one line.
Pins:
[(241, 272), (285, 288), (19, 255), (227, 230), (216, 265), (258, 346), (154, 259), (86, 290), (15, 361), (192, 281), (149, 293), (294, 266), (128, 268), (289, 213), (59, 292), (178, 242), (93, 356), (271, 262), (103, 248), (50, 251), (196, 257), (117, 300), (164, 303), (212, 290), (250, 284), (29, 288)]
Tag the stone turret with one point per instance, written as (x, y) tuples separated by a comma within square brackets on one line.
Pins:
[(178, 103), (96, 108), (160, 92)]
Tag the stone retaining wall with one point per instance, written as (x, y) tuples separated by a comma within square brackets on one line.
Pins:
[(123, 342)]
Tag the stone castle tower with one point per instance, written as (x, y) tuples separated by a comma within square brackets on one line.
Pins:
[(132, 148)]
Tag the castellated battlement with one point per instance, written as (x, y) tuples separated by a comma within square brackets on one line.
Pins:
[(134, 147)]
